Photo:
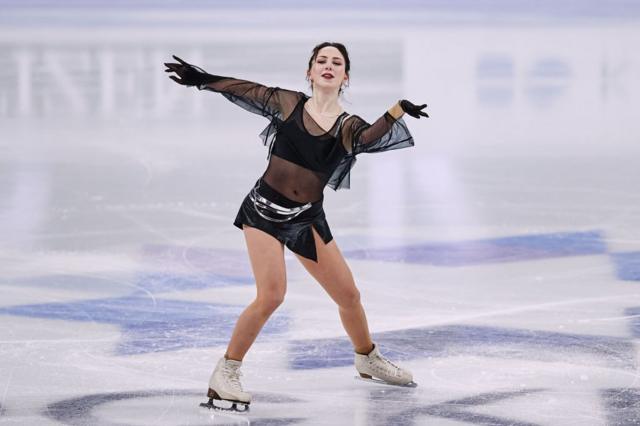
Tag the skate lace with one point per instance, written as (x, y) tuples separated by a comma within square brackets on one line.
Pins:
[(387, 366), (233, 377)]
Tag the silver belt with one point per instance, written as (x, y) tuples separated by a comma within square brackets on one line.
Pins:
[(264, 207)]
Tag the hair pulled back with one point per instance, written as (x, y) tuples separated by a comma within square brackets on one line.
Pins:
[(340, 47)]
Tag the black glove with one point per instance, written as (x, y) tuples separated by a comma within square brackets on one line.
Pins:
[(413, 110), (190, 75)]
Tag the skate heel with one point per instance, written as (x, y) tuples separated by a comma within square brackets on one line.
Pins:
[(365, 376), (213, 394)]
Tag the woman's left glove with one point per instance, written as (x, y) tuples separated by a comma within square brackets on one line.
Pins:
[(413, 110), (190, 75)]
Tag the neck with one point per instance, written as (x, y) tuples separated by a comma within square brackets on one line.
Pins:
[(325, 103)]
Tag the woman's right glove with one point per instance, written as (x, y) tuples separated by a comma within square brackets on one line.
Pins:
[(413, 110), (190, 75)]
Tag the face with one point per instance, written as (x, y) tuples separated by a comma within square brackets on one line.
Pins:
[(328, 69)]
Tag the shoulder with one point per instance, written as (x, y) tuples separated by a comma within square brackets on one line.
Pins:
[(354, 120), (288, 93), (293, 93), (300, 96)]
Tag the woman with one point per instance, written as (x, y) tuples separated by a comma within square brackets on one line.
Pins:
[(312, 143)]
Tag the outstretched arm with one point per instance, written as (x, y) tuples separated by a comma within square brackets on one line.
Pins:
[(254, 97), (387, 132)]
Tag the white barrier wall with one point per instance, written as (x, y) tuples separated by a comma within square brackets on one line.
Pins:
[(560, 89)]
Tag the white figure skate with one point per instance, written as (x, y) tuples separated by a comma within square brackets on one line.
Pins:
[(376, 368), (224, 385)]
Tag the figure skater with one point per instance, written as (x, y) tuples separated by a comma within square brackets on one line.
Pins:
[(312, 143)]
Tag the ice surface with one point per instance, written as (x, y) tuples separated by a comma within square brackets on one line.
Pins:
[(503, 270)]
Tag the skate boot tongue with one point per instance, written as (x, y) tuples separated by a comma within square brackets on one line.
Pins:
[(232, 373)]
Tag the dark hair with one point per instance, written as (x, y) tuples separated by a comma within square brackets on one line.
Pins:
[(340, 47)]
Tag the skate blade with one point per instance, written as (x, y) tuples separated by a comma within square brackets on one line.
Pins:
[(213, 395), (233, 409), (382, 382)]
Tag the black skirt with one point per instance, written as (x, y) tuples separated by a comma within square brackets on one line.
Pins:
[(296, 233)]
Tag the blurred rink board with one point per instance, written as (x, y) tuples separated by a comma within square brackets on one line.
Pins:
[(563, 86)]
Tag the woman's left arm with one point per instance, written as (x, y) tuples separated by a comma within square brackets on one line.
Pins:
[(387, 132)]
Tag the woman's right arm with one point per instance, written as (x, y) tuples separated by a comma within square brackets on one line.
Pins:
[(254, 97)]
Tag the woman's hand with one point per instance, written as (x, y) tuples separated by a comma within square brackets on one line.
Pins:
[(413, 110), (189, 75)]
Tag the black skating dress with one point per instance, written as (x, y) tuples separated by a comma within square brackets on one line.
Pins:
[(304, 158)]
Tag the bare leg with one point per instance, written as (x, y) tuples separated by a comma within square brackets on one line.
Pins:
[(334, 275), (267, 261)]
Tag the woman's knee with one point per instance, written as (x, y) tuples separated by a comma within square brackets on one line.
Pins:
[(268, 303), (350, 298)]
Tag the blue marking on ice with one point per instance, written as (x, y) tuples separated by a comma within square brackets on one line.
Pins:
[(493, 250), (167, 282), (154, 325), (179, 267), (627, 265), (139, 284), (458, 340), (634, 316), (622, 405)]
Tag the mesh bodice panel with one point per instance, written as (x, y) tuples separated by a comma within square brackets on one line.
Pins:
[(303, 156), (294, 182)]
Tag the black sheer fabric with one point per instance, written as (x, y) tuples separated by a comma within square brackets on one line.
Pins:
[(303, 156), (386, 133)]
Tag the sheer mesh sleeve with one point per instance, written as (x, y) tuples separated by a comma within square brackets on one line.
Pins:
[(274, 103), (358, 136), (271, 102), (384, 134)]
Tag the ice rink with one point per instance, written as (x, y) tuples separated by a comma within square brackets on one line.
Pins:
[(498, 259)]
